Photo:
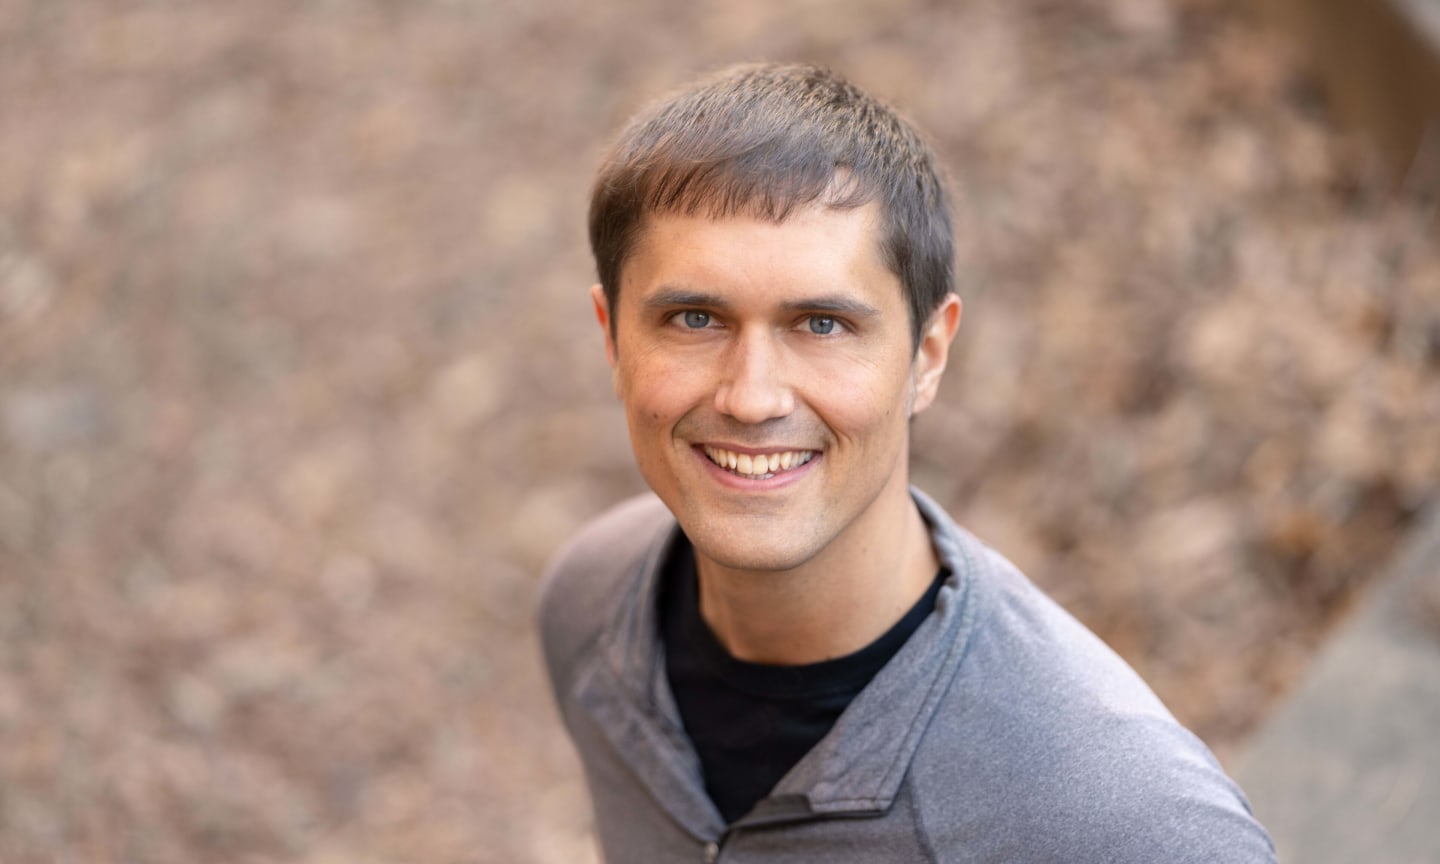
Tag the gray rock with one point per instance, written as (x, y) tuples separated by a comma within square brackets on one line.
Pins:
[(1348, 769)]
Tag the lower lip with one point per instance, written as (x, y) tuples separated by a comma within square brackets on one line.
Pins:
[(735, 481)]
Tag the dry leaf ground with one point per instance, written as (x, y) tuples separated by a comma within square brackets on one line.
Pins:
[(299, 389)]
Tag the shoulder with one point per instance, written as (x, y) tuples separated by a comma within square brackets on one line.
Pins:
[(583, 582), (624, 532), (1054, 743)]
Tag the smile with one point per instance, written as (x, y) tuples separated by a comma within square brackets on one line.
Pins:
[(758, 466)]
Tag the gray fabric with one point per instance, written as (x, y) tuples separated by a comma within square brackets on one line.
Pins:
[(1002, 731)]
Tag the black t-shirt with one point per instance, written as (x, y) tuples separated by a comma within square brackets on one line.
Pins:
[(749, 722)]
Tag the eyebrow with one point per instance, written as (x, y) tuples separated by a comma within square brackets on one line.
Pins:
[(838, 304), (671, 297), (832, 303)]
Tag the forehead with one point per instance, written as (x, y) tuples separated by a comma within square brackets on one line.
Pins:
[(816, 248)]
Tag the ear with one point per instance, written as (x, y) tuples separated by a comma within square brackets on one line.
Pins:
[(934, 351), (602, 315)]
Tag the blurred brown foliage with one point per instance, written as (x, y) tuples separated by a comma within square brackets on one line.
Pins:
[(299, 388)]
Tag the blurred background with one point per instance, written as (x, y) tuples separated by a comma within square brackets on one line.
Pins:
[(300, 388)]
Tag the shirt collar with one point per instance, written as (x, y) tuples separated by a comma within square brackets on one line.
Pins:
[(857, 768)]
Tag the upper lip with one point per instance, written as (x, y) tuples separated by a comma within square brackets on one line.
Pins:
[(755, 451)]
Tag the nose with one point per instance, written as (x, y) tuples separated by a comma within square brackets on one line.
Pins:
[(754, 383)]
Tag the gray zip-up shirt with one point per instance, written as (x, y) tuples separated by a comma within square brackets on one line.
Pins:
[(1003, 731)]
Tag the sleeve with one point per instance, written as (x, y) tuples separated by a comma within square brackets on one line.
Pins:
[(1140, 792), (1161, 797)]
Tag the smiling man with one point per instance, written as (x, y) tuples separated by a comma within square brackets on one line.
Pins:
[(786, 653)]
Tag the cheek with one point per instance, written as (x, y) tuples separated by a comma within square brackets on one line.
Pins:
[(863, 403), (657, 391)]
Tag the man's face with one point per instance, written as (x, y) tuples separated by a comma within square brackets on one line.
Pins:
[(768, 374)]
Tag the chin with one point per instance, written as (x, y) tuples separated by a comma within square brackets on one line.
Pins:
[(734, 551)]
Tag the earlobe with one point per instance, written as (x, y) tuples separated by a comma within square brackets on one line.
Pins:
[(934, 351)]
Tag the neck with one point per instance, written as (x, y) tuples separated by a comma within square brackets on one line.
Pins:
[(834, 604)]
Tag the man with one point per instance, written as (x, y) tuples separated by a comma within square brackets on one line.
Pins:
[(786, 653)]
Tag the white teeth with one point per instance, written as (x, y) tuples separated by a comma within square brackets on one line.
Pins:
[(758, 466)]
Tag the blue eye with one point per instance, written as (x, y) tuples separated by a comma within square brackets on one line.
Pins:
[(821, 326), (696, 320)]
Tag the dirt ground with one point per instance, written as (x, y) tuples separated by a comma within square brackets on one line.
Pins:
[(299, 386)]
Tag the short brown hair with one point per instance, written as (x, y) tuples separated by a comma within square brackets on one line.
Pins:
[(762, 141)]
